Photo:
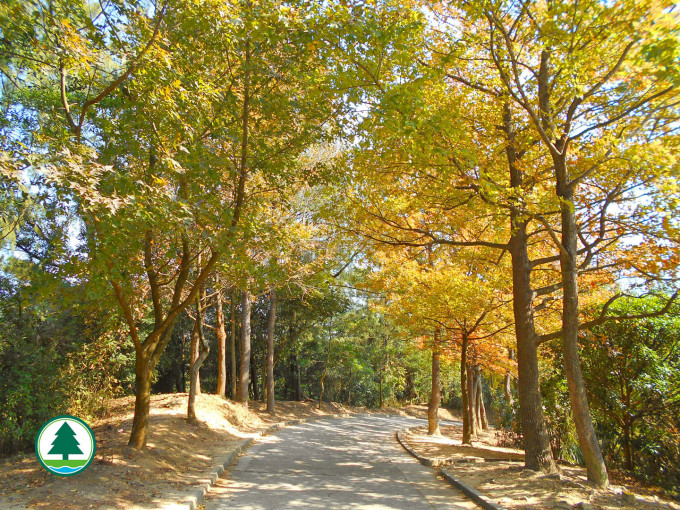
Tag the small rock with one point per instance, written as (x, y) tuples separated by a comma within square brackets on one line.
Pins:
[(628, 498), (562, 505), (585, 506), (552, 476)]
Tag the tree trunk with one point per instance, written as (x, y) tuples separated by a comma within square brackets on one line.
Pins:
[(140, 423), (481, 409), (627, 449), (349, 387), (325, 369), (408, 386), (323, 386), (507, 386), (270, 352), (253, 377), (590, 446), (538, 455), (298, 379), (435, 393), (232, 342), (244, 368), (380, 387), (221, 334), (194, 356), (464, 390), (472, 399), (204, 349)]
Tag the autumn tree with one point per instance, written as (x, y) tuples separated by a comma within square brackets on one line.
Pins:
[(158, 146), (594, 118)]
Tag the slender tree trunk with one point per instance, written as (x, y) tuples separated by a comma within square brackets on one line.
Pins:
[(538, 455), (290, 380), (270, 352), (472, 399), (244, 369), (194, 357), (221, 334), (627, 449), (349, 387), (507, 386), (481, 409), (253, 377), (263, 375), (408, 386), (474, 371), (325, 369), (323, 385), (232, 345), (435, 392), (464, 389), (298, 379), (204, 349), (590, 446)]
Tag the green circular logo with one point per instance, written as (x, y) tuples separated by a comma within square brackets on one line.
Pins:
[(65, 445)]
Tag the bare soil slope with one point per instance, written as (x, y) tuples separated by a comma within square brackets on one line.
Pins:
[(178, 457)]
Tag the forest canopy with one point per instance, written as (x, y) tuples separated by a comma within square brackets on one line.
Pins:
[(372, 202)]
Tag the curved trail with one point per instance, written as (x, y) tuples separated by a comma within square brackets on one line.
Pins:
[(340, 463)]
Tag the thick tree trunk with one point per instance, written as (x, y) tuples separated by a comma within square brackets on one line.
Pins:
[(232, 345), (435, 393), (204, 349), (464, 390), (244, 368), (538, 455), (221, 334), (590, 446), (140, 423), (270, 351)]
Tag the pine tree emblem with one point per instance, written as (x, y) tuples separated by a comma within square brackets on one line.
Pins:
[(65, 443)]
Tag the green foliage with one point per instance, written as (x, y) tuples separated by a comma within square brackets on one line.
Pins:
[(632, 370), (59, 352), (30, 391)]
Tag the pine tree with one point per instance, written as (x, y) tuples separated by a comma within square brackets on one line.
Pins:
[(65, 443)]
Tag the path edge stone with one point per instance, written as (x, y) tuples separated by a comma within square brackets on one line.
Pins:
[(194, 497), (472, 493), (469, 491)]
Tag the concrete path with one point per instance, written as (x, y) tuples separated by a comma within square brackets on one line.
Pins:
[(335, 464)]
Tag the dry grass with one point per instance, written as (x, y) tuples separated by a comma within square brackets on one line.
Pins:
[(178, 457), (514, 487)]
